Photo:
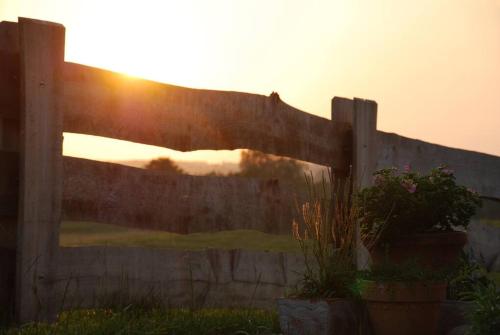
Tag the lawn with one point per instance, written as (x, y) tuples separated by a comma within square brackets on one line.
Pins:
[(495, 223), (88, 233), (132, 320), (75, 234)]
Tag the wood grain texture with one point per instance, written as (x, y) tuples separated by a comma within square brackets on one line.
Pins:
[(103, 103), (127, 196), (478, 171), (9, 86), (9, 184), (91, 276), (364, 142), (342, 114), (42, 57), (9, 167), (361, 115)]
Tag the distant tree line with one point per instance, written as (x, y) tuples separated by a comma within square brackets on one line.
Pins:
[(164, 164), (252, 164)]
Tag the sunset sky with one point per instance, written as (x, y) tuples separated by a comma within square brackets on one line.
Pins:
[(433, 66)]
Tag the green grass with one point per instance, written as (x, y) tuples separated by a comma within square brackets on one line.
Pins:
[(495, 223), (495, 276), (77, 234), (156, 321)]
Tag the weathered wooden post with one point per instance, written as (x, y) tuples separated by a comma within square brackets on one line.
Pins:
[(362, 116), (41, 46), (9, 168)]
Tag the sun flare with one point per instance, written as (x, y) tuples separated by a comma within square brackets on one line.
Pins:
[(130, 43)]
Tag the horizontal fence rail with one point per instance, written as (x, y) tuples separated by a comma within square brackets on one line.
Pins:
[(91, 276), (133, 197), (478, 171), (104, 103)]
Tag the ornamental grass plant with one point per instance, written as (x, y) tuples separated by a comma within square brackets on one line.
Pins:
[(326, 230)]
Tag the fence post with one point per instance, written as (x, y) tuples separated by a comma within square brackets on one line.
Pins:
[(9, 168), (362, 158), (364, 142), (41, 59)]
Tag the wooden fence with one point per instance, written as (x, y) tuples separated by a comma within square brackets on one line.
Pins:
[(41, 96)]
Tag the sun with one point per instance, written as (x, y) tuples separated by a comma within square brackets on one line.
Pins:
[(150, 41)]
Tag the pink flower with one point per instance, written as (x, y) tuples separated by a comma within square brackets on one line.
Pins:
[(448, 171), (378, 180), (472, 191), (409, 185), (407, 167)]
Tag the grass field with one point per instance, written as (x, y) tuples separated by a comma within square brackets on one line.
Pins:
[(89, 233), (155, 322), (495, 223)]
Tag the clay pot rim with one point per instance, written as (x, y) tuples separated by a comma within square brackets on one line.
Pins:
[(406, 284), (391, 291)]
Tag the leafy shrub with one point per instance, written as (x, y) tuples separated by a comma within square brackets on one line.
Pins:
[(465, 277), (484, 318), (409, 203)]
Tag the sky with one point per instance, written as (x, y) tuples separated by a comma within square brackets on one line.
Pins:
[(433, 66)]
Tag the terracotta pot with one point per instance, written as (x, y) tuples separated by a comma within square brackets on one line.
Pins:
[(433, 250), (322, 317), (404, 308)]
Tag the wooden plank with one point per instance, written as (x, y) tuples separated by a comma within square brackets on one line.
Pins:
[(362, 116), (7, 275), (112, 193), (42, 58), (9, 184), (9, 168), (9, 134), (342, 114), (9, 70), (478, 171), (9, 37), (103, 103), (364, 158), (364, 142), (90, 276)]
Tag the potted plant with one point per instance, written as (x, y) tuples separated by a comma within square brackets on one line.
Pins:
[(418, 220), (417, 216), (324, 301), (403, 298)]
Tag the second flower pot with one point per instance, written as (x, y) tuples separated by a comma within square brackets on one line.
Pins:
[(404, 308)]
